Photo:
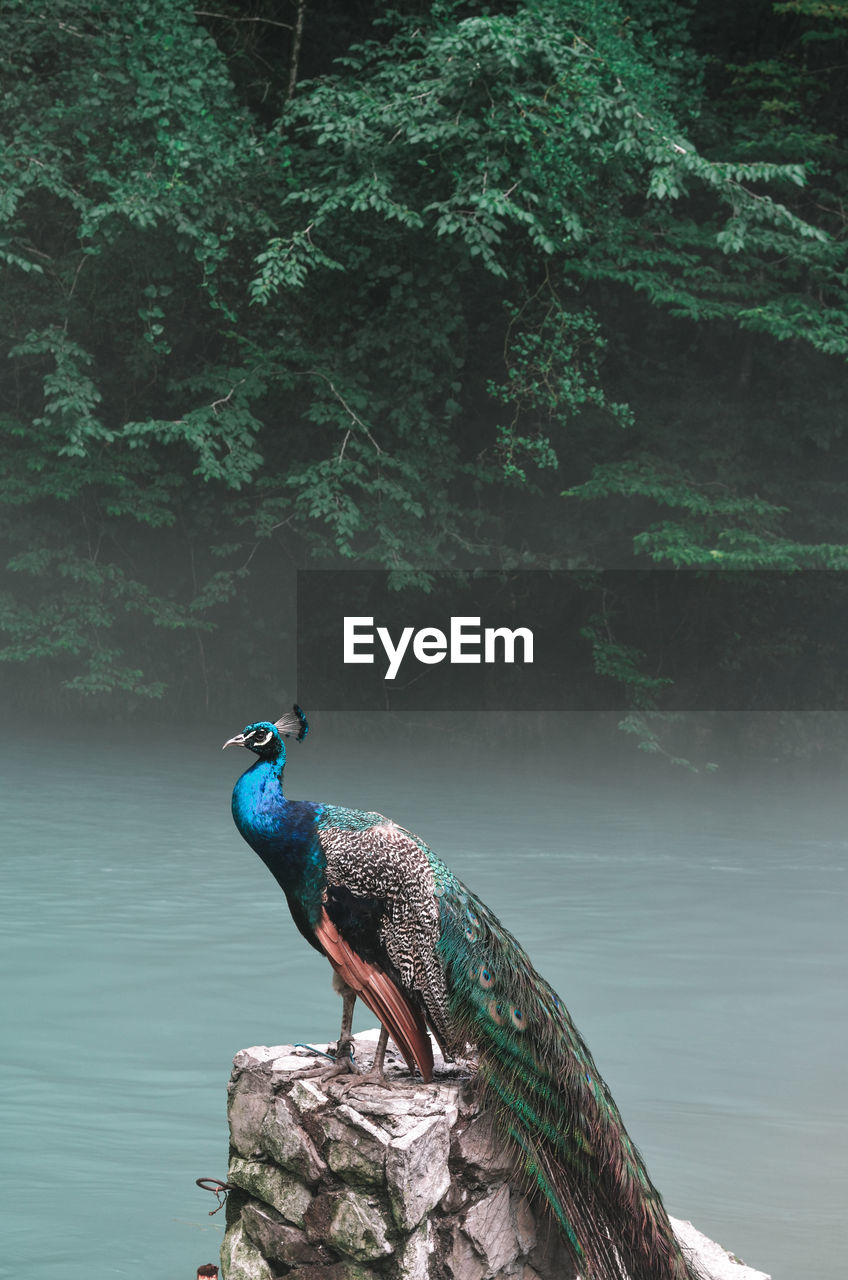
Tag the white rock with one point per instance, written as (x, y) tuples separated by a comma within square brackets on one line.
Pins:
[(357, 1228), (240, 1259), (463, 1260), (359, 1121), (288, 1145), (525, 1224), (480, 1147), (306, 1096), (279, 1058), (247, 1107), (489, 1226), (395, 1139), (417, 1170), (356, 1149), (273, 1186), (714, 1261), (414, 1261), (403, 1103)]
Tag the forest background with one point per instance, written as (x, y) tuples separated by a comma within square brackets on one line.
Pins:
[(528, 285)]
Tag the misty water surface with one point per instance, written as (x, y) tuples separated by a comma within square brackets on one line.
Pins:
[(694, 925)]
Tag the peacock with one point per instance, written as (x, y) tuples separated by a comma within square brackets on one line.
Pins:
[(422, 951)]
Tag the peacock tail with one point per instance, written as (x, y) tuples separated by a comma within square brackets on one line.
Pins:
[(548, 1099)]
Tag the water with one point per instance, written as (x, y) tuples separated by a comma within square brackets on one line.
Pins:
[(695, 926)]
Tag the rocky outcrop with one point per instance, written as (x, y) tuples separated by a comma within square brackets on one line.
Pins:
[(342, 1180)]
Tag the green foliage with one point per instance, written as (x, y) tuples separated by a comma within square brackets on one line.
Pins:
[(651, 728), (69, 393), (380, 297), (622, 663)]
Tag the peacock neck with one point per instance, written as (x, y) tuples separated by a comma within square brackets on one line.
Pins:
[(260, 807), (283, 832)]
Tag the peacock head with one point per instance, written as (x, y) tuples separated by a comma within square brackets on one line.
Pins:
[(266, 739)]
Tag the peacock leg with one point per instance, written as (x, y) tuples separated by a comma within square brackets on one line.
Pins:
[(345, 1041), (375, 1074), (344, 1062)]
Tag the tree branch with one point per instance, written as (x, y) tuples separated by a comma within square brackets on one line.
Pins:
[(295, 52), (208, 13)]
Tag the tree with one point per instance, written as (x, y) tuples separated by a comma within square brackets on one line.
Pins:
[(386, 314)]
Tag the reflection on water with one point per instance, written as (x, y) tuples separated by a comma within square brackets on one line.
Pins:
[(695, 926)]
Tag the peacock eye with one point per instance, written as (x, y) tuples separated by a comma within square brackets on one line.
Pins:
[(264, 740)]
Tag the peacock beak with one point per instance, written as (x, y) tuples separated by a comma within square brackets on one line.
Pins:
[(237, 741)]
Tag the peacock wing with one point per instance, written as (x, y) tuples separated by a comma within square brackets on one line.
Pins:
[(380, 893), (398, 1015)]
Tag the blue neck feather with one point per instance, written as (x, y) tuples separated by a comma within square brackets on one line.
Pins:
[(283, 832)]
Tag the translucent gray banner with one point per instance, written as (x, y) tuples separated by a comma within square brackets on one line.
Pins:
[(573, 641)]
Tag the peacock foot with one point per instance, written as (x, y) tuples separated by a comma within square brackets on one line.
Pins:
[(343, 1065), (357, 1076), (341, 1071), (342, 1084), (376, 1072), (374, 1075)]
